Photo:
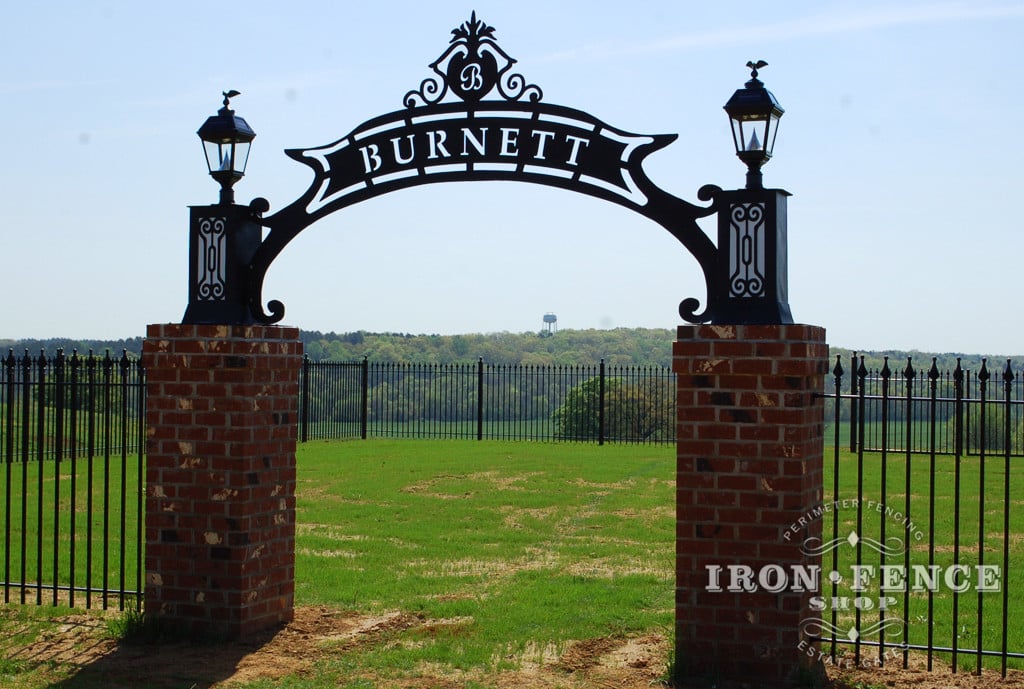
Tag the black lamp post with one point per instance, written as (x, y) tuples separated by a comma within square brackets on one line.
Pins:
[(752, 282), (223, 237), (226, 140), (754, 114)]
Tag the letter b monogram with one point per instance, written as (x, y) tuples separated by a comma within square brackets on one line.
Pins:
[(471, 77)]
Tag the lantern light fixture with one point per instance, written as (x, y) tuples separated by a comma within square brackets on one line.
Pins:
[(226, 141), (754, 114)]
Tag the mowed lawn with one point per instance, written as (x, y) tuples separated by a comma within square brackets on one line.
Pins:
[(474, 560), (431, 563), (522, 546)]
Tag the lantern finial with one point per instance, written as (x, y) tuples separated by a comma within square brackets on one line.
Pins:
[(754, 66)]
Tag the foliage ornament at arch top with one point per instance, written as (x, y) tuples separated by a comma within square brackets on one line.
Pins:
[(450, 131)]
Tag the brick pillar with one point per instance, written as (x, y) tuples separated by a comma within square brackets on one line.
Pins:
[(749, 469), (221, 417)]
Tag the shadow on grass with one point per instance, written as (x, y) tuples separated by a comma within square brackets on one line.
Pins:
[(156, 663)]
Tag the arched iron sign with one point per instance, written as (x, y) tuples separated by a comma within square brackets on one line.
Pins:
[(477, 119)]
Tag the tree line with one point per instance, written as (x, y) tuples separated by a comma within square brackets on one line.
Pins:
[(618, 347)]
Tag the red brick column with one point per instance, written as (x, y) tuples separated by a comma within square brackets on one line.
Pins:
[(749, 468), (222, 407)]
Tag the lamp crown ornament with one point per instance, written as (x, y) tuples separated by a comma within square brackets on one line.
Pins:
[(232, 93), (754, 66)]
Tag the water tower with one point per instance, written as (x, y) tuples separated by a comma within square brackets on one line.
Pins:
[(550, 325)]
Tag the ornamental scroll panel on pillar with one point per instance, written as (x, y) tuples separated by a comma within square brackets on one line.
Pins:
[(752, 257), (210, 255)]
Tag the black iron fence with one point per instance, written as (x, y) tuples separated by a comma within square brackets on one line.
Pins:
[(922, 517), (72, 443), (885, 391), (596, 403)]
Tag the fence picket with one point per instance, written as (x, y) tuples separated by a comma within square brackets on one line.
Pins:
[(64, 417), (943, 427)]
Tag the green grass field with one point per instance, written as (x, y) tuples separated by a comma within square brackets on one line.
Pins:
[(514, 549), (534, 543), (522, 548)]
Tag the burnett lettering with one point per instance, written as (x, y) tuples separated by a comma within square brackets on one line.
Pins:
[(481, 142)]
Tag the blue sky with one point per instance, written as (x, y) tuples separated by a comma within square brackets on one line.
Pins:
[(899, 144)]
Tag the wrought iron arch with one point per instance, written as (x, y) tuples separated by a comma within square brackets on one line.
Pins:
[(474, 119)]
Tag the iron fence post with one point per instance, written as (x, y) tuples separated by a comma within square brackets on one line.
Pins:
[(958, 412), (73, 391), (853, 405), (600, 404), (140, 374), (58, 456), (41, 364), (1007, 384), (982, 378), (967, 424), (26, 429), (304, 401), (480, 399), (364, 397), (9, 364), (123, 364)]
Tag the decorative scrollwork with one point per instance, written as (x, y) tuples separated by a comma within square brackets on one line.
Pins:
[(747, 250), (471, 67), (688, 311), (211, 259), (688, 308), (258, 206), (276, 314)]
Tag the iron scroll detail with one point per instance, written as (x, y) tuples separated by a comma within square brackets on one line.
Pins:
[(471, 67), (514, 137)]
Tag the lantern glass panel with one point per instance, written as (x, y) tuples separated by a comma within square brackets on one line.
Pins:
[(751, 133), (773, 130), (212, 149), (241, 155), (227, 156)]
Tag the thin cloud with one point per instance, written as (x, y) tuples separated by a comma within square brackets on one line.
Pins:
[(842, 20)]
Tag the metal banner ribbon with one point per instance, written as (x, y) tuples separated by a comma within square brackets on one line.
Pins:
[(541, 143)]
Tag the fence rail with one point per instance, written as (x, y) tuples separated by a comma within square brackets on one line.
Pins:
[(494, 401), (922, 484), (905, 379), (71, 443)]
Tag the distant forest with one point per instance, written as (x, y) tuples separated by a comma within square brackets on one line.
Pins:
[(618, 347)]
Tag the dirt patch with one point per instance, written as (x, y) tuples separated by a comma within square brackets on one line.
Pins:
[(917, 676), (80, 644), (513, 516), (497, 482), (583, 655)]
